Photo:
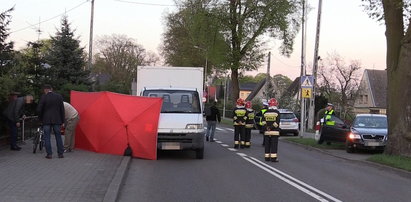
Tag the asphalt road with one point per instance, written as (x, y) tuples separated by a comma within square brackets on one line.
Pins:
[(226, 174)]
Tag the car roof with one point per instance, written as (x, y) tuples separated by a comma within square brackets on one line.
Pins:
[(371, 115), (285, 111)]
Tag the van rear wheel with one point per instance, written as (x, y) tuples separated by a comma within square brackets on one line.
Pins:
[(200, 153)]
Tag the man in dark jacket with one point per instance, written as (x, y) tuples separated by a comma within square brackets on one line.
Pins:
[(13, 114), (211, 117), (51, 114)]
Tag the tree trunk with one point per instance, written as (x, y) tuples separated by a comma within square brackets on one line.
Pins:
[(399, 80), (235, 90)]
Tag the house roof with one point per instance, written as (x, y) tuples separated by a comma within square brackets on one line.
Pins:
[(294, 87), (378, 86), (256, 89), (247, 86)]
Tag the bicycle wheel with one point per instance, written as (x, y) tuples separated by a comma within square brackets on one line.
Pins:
[(35, 142)]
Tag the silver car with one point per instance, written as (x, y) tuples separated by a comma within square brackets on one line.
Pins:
[(369, 131), (288, 122)]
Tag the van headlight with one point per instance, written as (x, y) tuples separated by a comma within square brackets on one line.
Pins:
[(354, 135), (194, 126)]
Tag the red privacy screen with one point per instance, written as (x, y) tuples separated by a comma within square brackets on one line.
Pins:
[(110, 121)]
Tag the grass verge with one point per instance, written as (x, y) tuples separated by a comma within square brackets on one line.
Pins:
[(311, 142), (227, 121), (400, 162)]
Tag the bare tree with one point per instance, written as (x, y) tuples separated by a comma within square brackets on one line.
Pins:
[(339, 82), (118, 56)]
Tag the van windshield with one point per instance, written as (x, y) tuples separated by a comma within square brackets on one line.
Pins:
[(176, 101)]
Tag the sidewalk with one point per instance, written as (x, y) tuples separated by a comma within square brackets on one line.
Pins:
[(79, 176)]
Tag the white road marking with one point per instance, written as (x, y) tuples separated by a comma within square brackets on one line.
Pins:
[(219, 142), (313, 192), (220, 129), (224, 145), (232, 149), (230, 129)]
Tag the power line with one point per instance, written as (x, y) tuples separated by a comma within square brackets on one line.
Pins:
[(146, 4), (49, 18)]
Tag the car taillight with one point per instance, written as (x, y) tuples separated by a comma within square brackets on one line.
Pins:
[(295, 120)]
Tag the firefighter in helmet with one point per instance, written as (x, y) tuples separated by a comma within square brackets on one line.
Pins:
[(239, 121), (271, 118), (249, 123)]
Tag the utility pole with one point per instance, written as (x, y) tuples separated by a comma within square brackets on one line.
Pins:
[(303, 73), (90, 52), (311, 113), (268, 78)]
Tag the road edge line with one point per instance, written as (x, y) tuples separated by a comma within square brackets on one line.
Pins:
[(115, 184)]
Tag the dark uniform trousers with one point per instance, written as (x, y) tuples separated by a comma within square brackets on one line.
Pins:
[(239, 136), (271, 145)]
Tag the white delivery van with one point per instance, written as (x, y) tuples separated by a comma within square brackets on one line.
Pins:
[(181, 121)]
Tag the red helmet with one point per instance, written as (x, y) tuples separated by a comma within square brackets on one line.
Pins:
[(240, 102), (272, 102), (248, 104)]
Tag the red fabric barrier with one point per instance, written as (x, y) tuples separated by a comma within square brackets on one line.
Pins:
[(111, 121)]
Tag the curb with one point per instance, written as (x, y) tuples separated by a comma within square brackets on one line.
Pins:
[(401, 172), (115, 184)]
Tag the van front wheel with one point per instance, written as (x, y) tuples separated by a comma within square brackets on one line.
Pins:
[(200, 153)]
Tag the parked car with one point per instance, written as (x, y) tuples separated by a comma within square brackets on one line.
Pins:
[(335, 133), (369, 131), (288, 122)]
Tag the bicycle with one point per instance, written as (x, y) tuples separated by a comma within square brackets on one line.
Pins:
[(38, 140)]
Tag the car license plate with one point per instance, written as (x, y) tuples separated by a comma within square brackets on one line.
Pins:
[(373, 144), (285, 123), (170, 146)]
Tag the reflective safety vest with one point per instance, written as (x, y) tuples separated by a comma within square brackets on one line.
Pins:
[(327, 118), (261, 118), (250, 118), (239, 116)]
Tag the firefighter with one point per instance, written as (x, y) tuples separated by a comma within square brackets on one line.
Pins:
[(249, 123), (271, 118), (260, 120), (260, 115), (239, 119)]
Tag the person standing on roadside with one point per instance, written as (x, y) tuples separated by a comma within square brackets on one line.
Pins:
[(51, 115), (271, 118), (249, 124), (13, 113), (212, 116), (71, 119), (239, 119)]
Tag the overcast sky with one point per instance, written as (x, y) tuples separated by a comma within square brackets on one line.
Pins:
[(345, 28)]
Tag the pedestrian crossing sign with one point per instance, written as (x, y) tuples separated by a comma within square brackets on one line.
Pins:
[(306, 92), (307, 81)]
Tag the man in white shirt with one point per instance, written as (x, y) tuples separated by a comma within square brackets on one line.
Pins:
[(71, 118)]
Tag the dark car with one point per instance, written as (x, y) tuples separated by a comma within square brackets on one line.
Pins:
[(335, 133), (369, 131)]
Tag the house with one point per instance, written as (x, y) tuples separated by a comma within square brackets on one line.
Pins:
[(246, 89), (259, 91), (372, 93)]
